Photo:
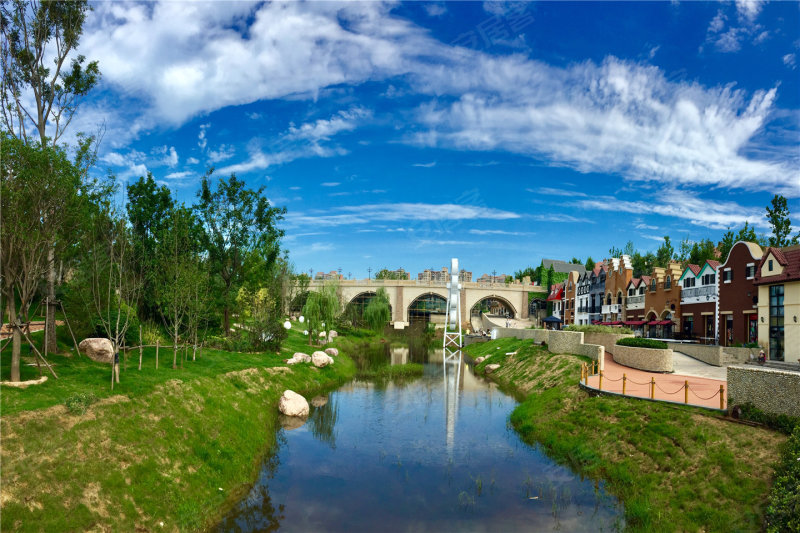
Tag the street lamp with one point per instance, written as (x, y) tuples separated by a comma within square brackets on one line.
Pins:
[(369, 273)]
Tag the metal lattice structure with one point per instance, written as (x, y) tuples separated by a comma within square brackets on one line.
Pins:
[(452, 321)]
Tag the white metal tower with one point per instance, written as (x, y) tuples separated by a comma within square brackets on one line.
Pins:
[(452, 320)]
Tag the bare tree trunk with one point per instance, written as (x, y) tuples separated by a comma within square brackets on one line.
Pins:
[(50, 313), (157, 354), (16, 342), (226, 324), (175, 351), (140, 347)]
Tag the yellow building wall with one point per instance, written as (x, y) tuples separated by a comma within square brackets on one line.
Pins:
[(791, 328)]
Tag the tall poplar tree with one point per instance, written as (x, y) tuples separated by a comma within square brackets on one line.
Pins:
[(42, 88)]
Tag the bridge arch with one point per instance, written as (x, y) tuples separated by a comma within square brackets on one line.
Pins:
[(428, 306), (499, 300), (354, 308)]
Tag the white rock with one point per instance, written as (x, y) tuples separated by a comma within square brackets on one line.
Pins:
[(292, 404), (100, 350), (332, 351), (322, 334), (479, 360), (333, 334), (321, 359), (299, 358), (492, 368)]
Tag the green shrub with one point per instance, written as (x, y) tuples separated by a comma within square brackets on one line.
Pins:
[(597, 328), (78, 403), (637, 342), (783, 423), (783, 512)]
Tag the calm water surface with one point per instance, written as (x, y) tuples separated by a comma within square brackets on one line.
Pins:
[(416, 456)]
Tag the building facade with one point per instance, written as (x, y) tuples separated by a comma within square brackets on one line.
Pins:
[(597, 290), (778, 280), (570, 298), (662, 302), (737, 315), (699, 291), (582, 298), (620, 273), (556, 298)]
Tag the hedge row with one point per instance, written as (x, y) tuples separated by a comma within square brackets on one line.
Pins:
[(637, 342)]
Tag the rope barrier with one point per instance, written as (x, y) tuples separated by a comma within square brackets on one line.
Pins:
[(670, 393), (609, 379), (704, 399), (637, 383)]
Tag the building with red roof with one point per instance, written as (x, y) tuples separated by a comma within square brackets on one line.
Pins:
[(777, 278), (699, 294), (737, 311)]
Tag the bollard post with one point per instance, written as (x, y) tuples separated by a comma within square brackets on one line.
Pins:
[(652, 388), (624, 381), (721, 397), (140, 347), (600, 386), (586, 376), (686, 391)]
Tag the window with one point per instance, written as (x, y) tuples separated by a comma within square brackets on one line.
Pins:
[(750, 271), (668, 282), (708, 279), (770, 265), (608, 299), (641, 289), (652, 285), (727, 275), (776, 339), (630, 292), (619, 298), (688, 282)]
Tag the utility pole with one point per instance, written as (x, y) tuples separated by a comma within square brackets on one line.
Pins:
[(494, 276), (369, 273)]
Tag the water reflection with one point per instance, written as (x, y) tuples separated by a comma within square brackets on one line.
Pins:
[(432, 454)]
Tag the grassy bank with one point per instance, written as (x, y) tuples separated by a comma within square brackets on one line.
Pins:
[(675, 468), (157, 449)]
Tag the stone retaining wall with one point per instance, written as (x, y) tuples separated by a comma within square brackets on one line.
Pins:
[(648, 359), (606, 340), (770, 390), (557, 341), (713, 354)]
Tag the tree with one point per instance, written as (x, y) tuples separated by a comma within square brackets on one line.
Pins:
[(778, 217), (385, 273), (377, 313), (321, 309), (527, 271), (35, 183), (150, 209), (550, 274), (576, 261), (589, 264), (665, 253), (642, 264), (41, 89), (237, 222)]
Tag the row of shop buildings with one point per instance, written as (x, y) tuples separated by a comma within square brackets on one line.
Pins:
[(753, 297)]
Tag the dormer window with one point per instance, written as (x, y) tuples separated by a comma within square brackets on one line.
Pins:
[(653, 285), (688, 282), (770, 265), (708, 279), (641, 289)]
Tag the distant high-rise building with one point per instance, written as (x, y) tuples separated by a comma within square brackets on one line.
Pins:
[(442, 276)]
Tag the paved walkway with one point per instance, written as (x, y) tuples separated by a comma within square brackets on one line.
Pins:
[(689, 366), (703, 391)]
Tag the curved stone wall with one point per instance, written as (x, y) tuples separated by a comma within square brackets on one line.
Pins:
[(769, 389), (649, 359)]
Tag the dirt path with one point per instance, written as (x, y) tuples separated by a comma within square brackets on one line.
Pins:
[(5, 330)]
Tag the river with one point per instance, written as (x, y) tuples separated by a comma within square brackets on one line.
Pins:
[(418, 455)]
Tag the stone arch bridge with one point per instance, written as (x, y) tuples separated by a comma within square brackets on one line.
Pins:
[(403, 293)]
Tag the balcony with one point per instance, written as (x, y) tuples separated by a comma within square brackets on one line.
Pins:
[(611, 309), (636, 302), (697, 292)]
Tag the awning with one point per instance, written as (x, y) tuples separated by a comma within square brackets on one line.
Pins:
[(552, 319), (635, 322), (596, 322), (653, 323), (665, 322)]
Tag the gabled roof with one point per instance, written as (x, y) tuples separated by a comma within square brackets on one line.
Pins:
[(709, 264), (646, 279), (694, 269), (635, 282), (755, 250), (713, 263), (562, 266), (788, 258), (557, 292)]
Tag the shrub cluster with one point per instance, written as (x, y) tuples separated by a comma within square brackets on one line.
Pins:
[(638, 342), (783, 513), (78, 403)]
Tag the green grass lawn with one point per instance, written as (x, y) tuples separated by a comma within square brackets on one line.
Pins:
[(675, 468), (157, 449)]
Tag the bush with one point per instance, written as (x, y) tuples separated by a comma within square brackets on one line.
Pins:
[(78, 403), (783, 512), (637, 342), (596, 328), (783, 423)]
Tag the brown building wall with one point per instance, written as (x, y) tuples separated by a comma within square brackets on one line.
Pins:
[(702, 324), (738, 300), (617, 281), (570, 290), (664, 300)]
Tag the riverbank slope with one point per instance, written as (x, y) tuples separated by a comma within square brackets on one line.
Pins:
[(168, 450), (675, 468)]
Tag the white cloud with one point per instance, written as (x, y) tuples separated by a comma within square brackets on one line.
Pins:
[(324, 129), (499, 232), (170, 157), (685, 206), (179, 175), (749, 9), (223, 153), (420, 212), (113, 158), (201, 136), (642, 225), (425, 165), (550, 191), (330, 184), (434, 9), (192, 161), (790, 60)]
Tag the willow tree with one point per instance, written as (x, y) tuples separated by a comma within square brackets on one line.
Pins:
[(377, 313), (44, 81), (321, 309)]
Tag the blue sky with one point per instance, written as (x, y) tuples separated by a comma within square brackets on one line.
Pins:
[(499, 133)]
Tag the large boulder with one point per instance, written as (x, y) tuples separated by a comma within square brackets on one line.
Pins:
[(321, 359), (479, 360), (100, 350), (333, 352), (292, 404), (333, 334), (492, 368), (299, 357)]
